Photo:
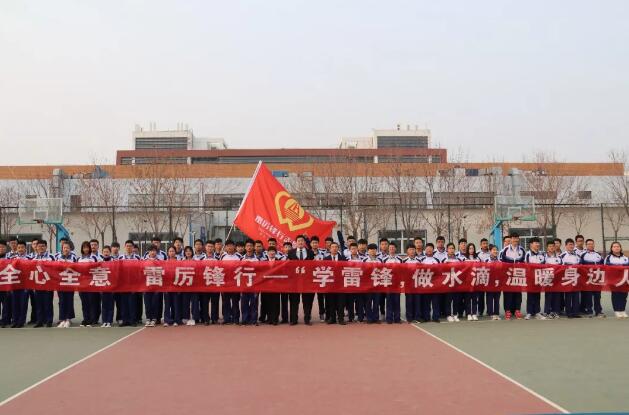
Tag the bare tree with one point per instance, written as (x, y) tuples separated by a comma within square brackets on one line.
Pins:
[(616, 218), (407, 195), (551, 189), (619, 185), (9, 199), (579, 217)]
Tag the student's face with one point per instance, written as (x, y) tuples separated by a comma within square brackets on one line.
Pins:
[(616, 248), (172, 253), (515, 242), (259, 248), (301, 242), (328, 244), (115, 250), (218, 247), (249, 248), (411, 252), (362, 247), (569, 246), (450, 250), (580, 243), (209, 248), (419, 245), (198, 246), (128, 248), (34, 246), (3, 249), (372, 252), (551, 248), (392, 249), (177, 245), (41, 248), (557, 245), (240, 249), (590, 246), (484, 245), (334, 249), (157, 245), (13, 245), (494, 252), (94, 247), (535, 246), (429, 250), (106, 252), (286, 249), (440, 244), (314, 245), (273, 244), (271, 254), (153, 254), (462, 247), (384, 246), (507, 241), (353, 250), (230, 248), (21, 249)]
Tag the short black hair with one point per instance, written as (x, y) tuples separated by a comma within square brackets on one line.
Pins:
[(42, 242), (94, 240), (441, 238), (229, 242), (363, 241), (300, 237), (197, 240), (533, 240), (156, 238), (588, 240), (271, 248), (257, 241), (351, 237), (579, 237), (450, 244), (353, 244), (271, 240), (152, 248), (329, 239), (115, 244), (557, 240), (314, 238), (288, 244), (409, 246), (418, 238), (384, 240), (334, 243), (220, 241), (462, 240), (129, 241), (372, 246), (569, 241), (3, 242), (549, 242), (514, 235), (429, 244), (178, 239), (484, 240), (249, 241), (21, 242)]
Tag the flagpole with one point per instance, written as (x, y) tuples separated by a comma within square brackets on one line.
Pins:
[(255, 174)]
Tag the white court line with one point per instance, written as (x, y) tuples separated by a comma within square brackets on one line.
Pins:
[(497, 372), (70, 366)]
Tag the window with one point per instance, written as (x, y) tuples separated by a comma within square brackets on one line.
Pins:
[(402, 142), (163, 201), (75, 203), (223, 201), (584, 194), (540, 194), (402, 238), (463, 198)]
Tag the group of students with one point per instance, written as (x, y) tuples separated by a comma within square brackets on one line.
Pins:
[(174, 308)]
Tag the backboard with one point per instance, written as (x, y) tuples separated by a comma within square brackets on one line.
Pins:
[(40, 210), (509, 208)]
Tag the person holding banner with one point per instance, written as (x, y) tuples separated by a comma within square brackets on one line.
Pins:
[(570, 257), (533, 299), (493, 297), (172, 300), (231, 310), (44, 298), (300, 253), (321, 297), (453, 299), (272, 299), (335, 301), (619, 299), (127, 299), (512, 253), (392, 312), (372, 303), (249, 301)]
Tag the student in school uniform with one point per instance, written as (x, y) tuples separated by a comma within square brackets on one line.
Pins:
[(190, 313), (418, 244), (483, 255), (19, 305), (272, 299), (383, 251), (204, 297), (115, 256), (88, 301), (471, 298), (301, 253), (552, 300), (6, 297), (213, 297), (453, 299), (44, 298), (461, 253), (240, 249), (107, 299), (335, 302), (512, 253), (231, 301), (414, 302), (284, 298), (249, 300), (321, 297), (431, 301), (372, 303), (392, 314), (66, 298), (127, 299), (441, 254), (172, 300), (153, 299), (591, 300), (572, 299), (493, 297), (30, 294), (618, 259), (533, 299), (355, 301)]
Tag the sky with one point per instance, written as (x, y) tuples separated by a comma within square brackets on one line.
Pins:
[(493, 80)]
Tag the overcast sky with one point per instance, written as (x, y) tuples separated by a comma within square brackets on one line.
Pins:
[(499, 79)]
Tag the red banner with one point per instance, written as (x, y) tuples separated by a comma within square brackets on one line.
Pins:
[(306, 276), (269, 211)]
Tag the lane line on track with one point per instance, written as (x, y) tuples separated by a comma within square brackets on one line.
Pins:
[(70, 366), (496, 371)]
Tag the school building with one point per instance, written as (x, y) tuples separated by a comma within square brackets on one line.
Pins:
[(392, 183)]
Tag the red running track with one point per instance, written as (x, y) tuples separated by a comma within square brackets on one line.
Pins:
[(353, 369)]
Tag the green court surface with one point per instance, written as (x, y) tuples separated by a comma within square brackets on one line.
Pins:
[(581, 364)]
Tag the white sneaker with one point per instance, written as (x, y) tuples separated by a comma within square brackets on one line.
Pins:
[(496, 318), (148, 323), (456, 319), (450, 319), (618, 314), (165, 324), (540, 316), (470, 318), (474, 317), (527, 317), (175, 324), (191, 323), (61, 324), (624, 314)]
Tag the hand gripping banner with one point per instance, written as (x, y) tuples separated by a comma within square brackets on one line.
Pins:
[(306, 276), (269, 211)]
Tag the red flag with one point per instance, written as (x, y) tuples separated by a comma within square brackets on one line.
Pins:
[(268, 210)]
